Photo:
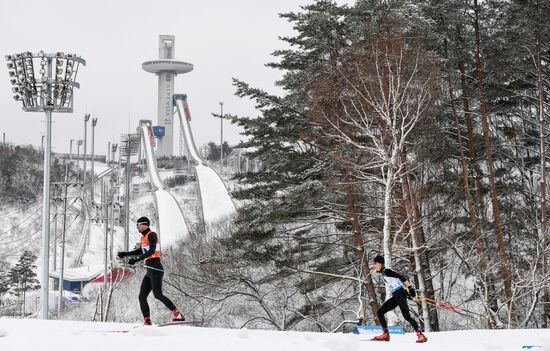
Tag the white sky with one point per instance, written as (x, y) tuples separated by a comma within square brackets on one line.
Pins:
[(222, 39)]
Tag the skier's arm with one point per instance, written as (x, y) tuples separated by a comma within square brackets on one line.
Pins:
[(122, 254), (133, 252)]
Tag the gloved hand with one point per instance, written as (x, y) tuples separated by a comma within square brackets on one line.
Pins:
[(411, 293), (132, 260), (121, 254)]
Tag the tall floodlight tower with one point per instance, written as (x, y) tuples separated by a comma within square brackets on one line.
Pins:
[(44, 82), (166, 68)]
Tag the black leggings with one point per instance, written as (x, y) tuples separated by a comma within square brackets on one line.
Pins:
[(398, 298), (153, 281)]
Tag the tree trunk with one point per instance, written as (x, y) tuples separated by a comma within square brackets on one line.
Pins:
[(474, 165), (543, 204), (368, 284), (413, 221), (499, 231), (389, 183), (477, 237)]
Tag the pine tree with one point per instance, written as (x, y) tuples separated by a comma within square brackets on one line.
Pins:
[(304, 185), (4, 281), (22, 277)]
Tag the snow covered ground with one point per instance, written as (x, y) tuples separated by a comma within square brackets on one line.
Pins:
[(33, 334)]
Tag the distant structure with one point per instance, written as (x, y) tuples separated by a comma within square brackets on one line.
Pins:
[(166, 68)]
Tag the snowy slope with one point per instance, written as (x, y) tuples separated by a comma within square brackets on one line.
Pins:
[(216, 202), (32, 335), (172, 224)]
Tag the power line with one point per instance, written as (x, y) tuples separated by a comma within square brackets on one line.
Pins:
[(23, 221), (17, 210)]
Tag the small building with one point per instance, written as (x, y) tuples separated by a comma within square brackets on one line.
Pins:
[(74, 279)]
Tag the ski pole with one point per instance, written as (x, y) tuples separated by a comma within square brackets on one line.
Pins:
[(451, 308)]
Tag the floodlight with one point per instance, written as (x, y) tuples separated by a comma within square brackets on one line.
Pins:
[(54, 85)]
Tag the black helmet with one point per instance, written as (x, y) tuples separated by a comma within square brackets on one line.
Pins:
[(143, 220), (379, 259)]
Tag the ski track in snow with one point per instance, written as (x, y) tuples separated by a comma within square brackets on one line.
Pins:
[(34, 334)]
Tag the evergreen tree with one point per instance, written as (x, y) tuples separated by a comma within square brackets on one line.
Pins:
[(4, 281), (22, 276)]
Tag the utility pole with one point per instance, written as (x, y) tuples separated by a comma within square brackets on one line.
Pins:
[(221, 137), (94, 123), (86, 119), (78, 144), (105, 203), (113, 154), (54, 261), (63, 191)]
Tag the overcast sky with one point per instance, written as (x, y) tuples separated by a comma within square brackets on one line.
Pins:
[(222, 39)]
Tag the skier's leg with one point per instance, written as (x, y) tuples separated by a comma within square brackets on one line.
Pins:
[(143, 293), (387, 306), (404, 306), (156, 280)]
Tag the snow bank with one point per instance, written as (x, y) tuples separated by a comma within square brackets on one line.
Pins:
[(32, 335)]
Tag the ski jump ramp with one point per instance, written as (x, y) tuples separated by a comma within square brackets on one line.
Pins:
[(172, 225), (215, 199)]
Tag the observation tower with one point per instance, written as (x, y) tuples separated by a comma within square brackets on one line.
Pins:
[(166, 68)]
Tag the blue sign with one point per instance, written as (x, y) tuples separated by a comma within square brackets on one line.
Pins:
[(159, 131), (393, 329)]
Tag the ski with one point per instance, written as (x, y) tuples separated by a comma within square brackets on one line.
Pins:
[(167, 324), (192, 323)]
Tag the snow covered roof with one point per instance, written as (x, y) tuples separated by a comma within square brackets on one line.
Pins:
[(80, 274)]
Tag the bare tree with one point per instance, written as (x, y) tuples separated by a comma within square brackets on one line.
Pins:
[(387, 89)]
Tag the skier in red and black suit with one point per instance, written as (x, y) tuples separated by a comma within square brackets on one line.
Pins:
[(397, 284), (150, 252)]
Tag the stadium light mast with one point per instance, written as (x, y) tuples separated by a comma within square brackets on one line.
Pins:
[(44, 82), (129, 144)]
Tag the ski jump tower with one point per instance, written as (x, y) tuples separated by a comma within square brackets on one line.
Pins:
[(166, 68)]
